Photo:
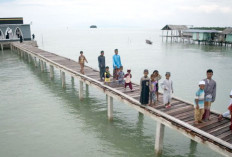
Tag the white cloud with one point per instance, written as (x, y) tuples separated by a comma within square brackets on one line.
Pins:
[(116, 13), (207, 9)]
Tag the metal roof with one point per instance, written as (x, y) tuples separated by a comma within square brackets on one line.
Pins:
[(200, 31), (227, 31), (175, 27)]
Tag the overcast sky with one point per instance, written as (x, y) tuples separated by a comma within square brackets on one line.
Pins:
[(119, 13)]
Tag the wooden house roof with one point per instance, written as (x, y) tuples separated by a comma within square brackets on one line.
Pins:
[(175, 27)]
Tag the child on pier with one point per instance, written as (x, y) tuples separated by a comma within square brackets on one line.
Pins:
[(228, 112), (167, 86), (199, 103), (153, 90), (145, 84), (121, 76), (107, 76), (157, 78), (128, 77), (82, 61)]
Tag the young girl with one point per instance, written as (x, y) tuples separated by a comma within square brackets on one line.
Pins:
[(82, 61), (157, 78), (121, 76), (128, 77), (153, 90), (107, 76), (145, 83)]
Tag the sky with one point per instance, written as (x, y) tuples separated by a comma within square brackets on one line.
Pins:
[(119, 13)]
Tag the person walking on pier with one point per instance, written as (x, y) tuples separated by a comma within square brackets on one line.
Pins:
[(199, 103), (145, 86), (82, 61), (101, 63), (116, 63), (33, 36), (167, 86), (157, 78), (21, 38), (210, 93)]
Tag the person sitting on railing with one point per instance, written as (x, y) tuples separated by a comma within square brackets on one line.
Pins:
[(228, 112)]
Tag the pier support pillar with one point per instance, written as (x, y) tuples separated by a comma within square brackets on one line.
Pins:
[(29, 58), (63, 79), (72, 80), (45, 66), (80, 90), (51, 72), (41, 65), (21, 52), (159, 138), (86, 87), (2, 47), (110, 108), (35, 62)]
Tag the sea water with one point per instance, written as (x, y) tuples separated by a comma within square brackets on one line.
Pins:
[(39, 118)]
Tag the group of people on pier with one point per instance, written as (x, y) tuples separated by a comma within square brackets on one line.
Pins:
[(149, 87)]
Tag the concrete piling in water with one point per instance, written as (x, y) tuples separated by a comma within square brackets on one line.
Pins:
[(110, 108), (63, 79), (159, 138), (51, 72), (80, 90), (72, 80), (41, 65), (2, 47), (35, 62), (29, 58)]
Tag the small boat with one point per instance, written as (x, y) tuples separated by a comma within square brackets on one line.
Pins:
[(149, 42), (93, 26)]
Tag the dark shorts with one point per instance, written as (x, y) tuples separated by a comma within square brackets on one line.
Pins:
[(157, 87)]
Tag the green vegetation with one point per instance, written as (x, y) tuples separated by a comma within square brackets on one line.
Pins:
[(210, 28)]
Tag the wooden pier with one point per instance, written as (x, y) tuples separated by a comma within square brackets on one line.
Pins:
[(180, 117)]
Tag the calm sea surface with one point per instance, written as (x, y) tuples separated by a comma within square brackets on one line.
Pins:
[(39, 118)]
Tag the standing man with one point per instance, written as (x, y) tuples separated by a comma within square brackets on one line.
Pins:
[(21, 39), (101, 63), (33, 36), (116, 63), (210, 93)]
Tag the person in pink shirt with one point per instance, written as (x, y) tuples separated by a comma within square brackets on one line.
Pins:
[(128, 77)]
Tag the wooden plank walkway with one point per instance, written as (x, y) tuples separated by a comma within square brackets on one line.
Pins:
[(180, 116)]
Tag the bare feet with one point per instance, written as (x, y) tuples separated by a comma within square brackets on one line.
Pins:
[(220, 117)]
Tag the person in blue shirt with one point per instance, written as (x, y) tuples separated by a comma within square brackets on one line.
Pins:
[(116, 63), (199, 103)]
